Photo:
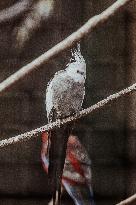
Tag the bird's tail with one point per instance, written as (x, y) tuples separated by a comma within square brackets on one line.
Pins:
[(57, 154)]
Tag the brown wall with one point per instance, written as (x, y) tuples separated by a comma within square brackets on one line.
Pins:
[(108, 135)]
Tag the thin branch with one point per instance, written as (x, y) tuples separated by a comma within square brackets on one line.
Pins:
[(33, 20), (86, 29), (130, 201), (14, 11), (58, 123)]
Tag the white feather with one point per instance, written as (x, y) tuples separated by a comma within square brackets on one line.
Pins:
[(49, 102), (76, 71), (77, 66)]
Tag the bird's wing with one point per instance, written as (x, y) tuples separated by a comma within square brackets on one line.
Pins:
[(49, 99), (51, 89)]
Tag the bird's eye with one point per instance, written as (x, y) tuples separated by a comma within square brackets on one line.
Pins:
[(80, 72)]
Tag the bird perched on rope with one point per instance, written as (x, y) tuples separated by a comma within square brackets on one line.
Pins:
[(76, 177), (64, 97)]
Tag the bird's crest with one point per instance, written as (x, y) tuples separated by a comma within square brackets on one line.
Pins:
[(76, 56)]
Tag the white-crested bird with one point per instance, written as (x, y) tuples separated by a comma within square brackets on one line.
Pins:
[(64, 97)]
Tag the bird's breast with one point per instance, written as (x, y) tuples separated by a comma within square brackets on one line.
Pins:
[(65, 96)]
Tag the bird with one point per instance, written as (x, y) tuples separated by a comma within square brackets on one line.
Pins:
[(77, 177), (64, 97)]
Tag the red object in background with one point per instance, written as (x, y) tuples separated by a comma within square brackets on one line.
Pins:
[(76, 177)]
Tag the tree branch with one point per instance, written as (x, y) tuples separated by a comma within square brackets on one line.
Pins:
[(14, 11), (130, 201), (58, 123), (86, 29), (32, 21)]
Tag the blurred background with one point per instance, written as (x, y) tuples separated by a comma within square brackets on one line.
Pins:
[(108, 134)]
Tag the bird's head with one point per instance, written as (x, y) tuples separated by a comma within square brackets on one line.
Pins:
[(76, 69)]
